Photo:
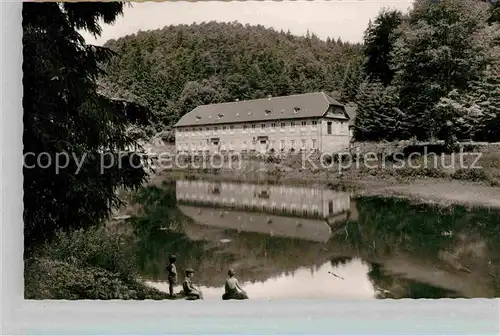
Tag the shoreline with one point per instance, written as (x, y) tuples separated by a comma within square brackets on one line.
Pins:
[(439, 191), (443, 193)]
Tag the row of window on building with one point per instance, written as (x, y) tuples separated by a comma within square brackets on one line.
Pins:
[(250, 145), (244, 128)]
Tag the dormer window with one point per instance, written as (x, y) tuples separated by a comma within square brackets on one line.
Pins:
[(268, 112), (220, 115), (296, 109), (198, 118)]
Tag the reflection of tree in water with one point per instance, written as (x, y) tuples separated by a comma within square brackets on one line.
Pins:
[(396, 287), (450, 237), (391, 224), (340, 261), (157, 228), (259, 257)]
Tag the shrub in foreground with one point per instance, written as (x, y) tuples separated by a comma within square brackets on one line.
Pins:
[(95, 247), (94, 264), (58, 280)]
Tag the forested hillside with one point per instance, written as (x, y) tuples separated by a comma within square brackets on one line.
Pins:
[(174, 69), (433, 73)]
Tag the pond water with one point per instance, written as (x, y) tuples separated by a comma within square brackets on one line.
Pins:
[(312, 242), (304, 283)]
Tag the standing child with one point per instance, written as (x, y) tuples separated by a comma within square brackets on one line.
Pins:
[(172, 274)]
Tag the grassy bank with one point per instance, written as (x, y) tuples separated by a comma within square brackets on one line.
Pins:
[(92, 264), (478, 164), (435, 179)]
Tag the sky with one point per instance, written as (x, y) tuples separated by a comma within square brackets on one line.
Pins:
[(346, 19)]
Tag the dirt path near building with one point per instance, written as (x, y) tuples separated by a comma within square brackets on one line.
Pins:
[(442, 192), (429, 190)]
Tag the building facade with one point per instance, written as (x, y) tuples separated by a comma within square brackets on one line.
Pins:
[(306, 122)]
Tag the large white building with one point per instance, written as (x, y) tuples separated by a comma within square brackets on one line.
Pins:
[(310, 122)]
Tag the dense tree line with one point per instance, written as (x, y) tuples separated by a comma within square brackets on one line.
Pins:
[(176, 68), (64, 113), (432, 74)]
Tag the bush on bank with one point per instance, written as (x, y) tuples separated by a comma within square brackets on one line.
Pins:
[(57, 280), (85, 264)]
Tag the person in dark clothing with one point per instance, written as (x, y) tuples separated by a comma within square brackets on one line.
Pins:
[(233, 290), (172, 274)]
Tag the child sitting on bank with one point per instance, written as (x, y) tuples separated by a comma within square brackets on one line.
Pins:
[(191, 292)]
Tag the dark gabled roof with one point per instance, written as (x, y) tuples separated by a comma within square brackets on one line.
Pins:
[(305, 105)]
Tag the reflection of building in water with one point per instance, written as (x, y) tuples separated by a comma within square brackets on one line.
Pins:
[(287, 211), (278, 199)]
